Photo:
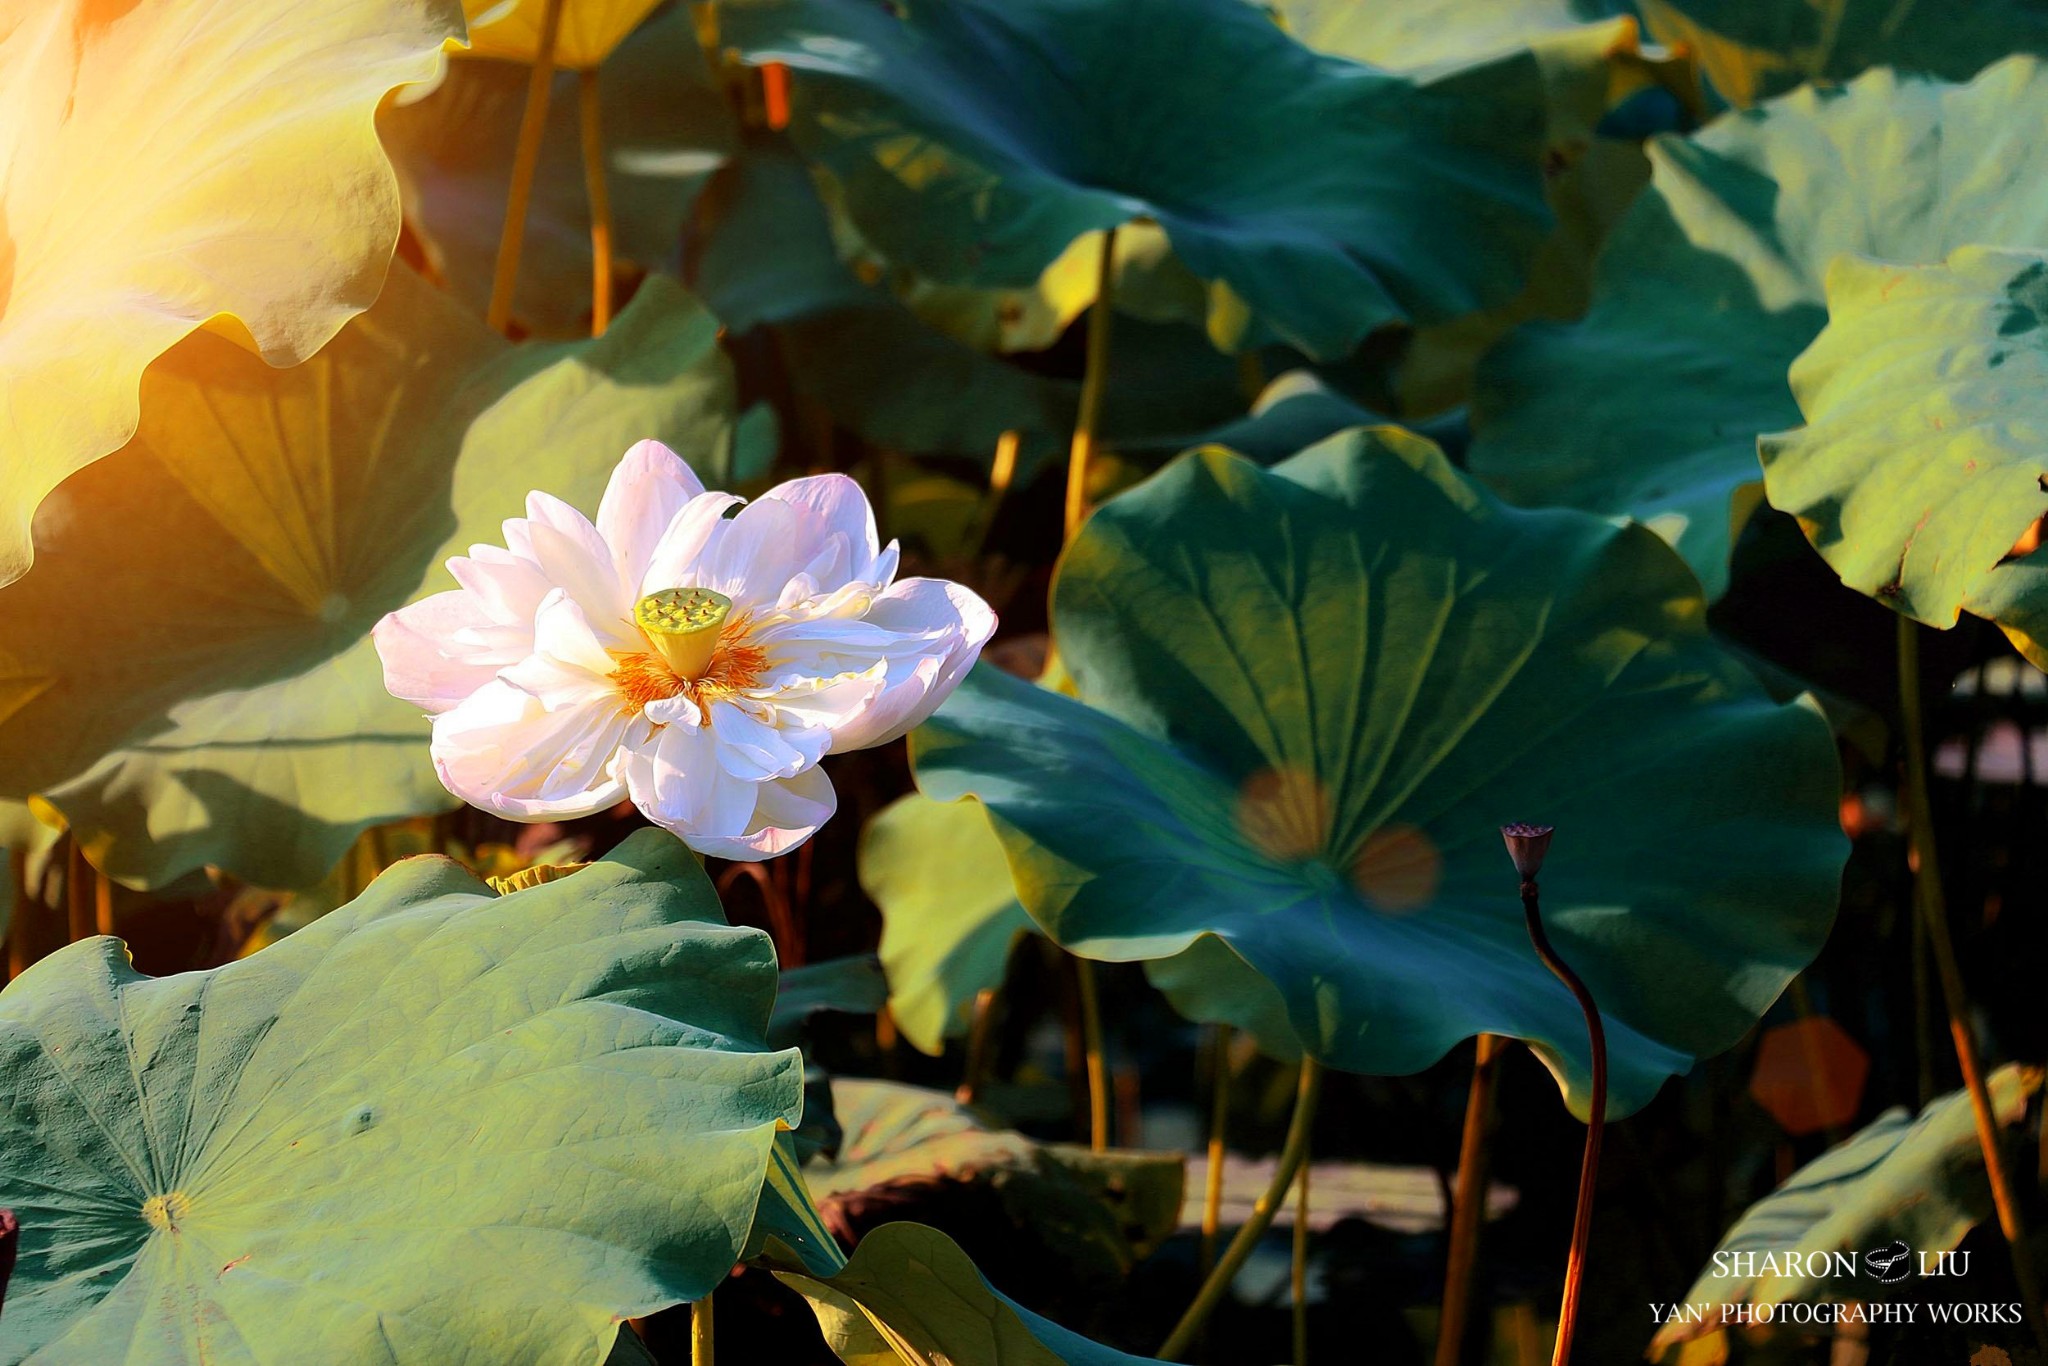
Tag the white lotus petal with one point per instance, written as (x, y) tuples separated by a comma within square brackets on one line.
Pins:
[(503, 750)]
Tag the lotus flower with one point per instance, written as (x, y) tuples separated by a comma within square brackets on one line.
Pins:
[(697, 659)]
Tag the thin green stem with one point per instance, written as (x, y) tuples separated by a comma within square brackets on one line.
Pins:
[(590, 101), (1094, 380), (1293, 1152), (1219, 1129), (978, 1031), (78, 895), (703, 1342), (1468, 1206), (1596, 1126), (28, 908), (533, 124), (1091, 1046), (1933, 909)]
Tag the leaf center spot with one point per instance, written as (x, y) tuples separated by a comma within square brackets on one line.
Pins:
[(162, 1212)]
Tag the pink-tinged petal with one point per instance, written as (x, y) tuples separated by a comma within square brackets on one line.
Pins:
[(504, 751), (507, 586), (939, 629), (756, 552), (788, 812), (678, 783), (569, 665), (649, 487), (569, 552), (685, 541), (758, 748), (428, 660), (824, 704), (834, 512)]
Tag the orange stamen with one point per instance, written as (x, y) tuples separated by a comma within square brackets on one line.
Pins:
[(643, 676)]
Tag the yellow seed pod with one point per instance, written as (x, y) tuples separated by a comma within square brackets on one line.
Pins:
[(682, 624)]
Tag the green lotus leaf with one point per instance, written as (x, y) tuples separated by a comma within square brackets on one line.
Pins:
[(768, 258), (187, 673), (1310, 696), (1291, 413), (1591, 65), (1917, 1180), (974, 141), (1921, 463), (1712, 285), (1146, 281), (1751, 49), (853, 984), (437, 1126), (666, 128), (789, 1234), (910, 1297), (949, 914)]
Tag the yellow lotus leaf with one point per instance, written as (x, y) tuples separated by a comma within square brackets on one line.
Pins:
[(167, 162), (589, 29), (186, 672)]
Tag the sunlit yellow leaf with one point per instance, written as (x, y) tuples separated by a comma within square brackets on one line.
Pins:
[(167, 162), (589, 30)]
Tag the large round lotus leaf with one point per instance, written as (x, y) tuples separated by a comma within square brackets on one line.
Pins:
[(910, 1297), (1912, 1179), (1755, 48), (976, 139), (1925, 454), (437, 1126), (1591, 64), (163, 162), (949, 914), (666, 129), (187, 672), (1313, 695), (586, 31), (1712, 285)]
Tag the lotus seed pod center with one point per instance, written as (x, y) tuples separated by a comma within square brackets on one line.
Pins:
[(162, 1212), (682, 624)]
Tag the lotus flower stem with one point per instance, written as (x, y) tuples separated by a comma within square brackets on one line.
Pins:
[(1001, 471), (78, 894), (525, 159), (1297, 1278), (1468, 1208), (1219, 1128), (703, 1347), (1091, 1045), (1094, 379), (591, 106), (1933, 909), (1293, 1152), (19, 947), (978, 1032), (1527, 844)]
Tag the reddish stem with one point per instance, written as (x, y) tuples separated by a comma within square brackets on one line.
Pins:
[(1596, 1125)]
